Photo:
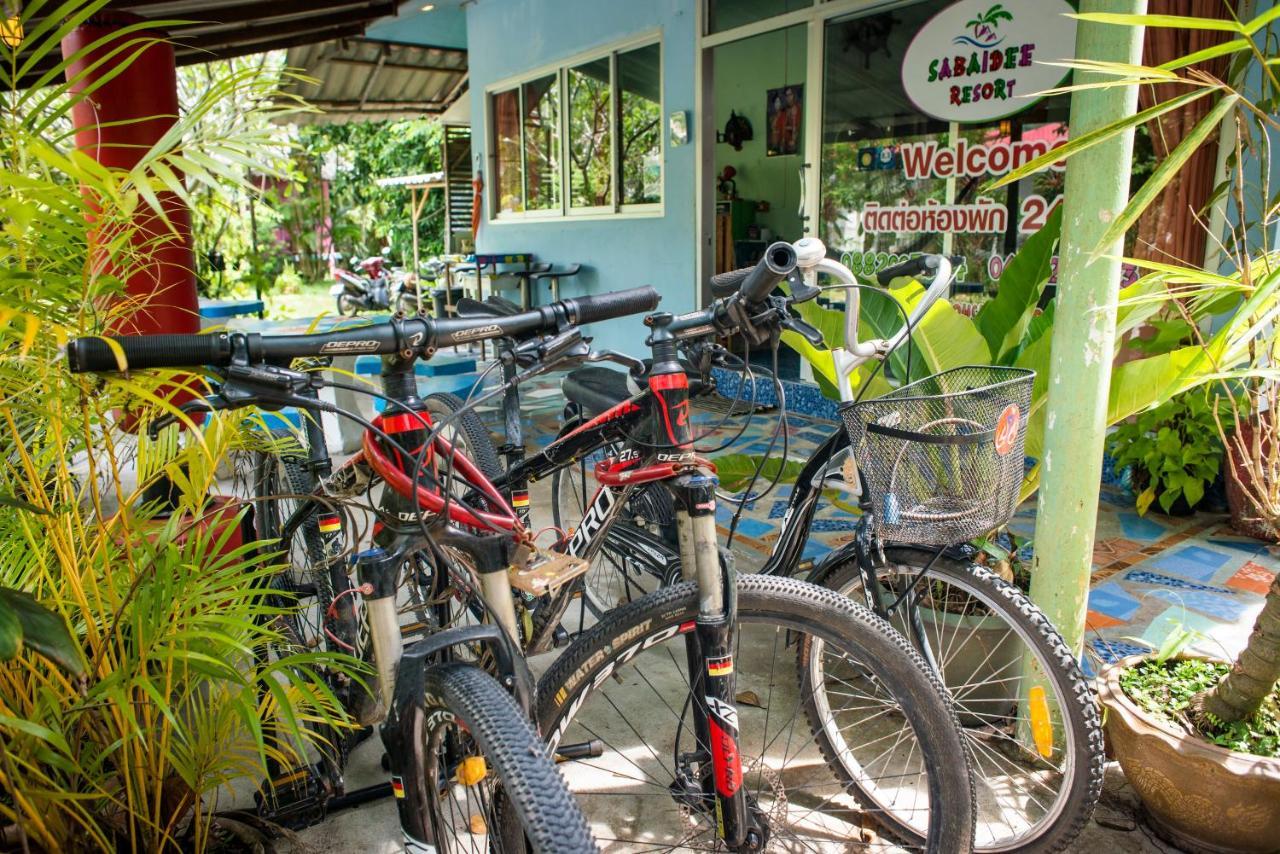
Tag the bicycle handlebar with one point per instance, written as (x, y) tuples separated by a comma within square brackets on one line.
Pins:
[(755, 283), (921, 264), (423, 335)]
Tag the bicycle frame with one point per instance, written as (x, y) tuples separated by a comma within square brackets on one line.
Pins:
[(664, 408)]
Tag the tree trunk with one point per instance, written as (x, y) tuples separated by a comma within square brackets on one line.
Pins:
[(1254, 674)]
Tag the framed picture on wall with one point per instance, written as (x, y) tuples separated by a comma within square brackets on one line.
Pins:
[(784, 118)]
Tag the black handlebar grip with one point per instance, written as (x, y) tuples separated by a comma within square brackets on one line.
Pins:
[(778, 262), (616, 304), (149, 351), (727, 284)]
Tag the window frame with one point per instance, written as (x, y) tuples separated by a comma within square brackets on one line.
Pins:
[(566, 211)]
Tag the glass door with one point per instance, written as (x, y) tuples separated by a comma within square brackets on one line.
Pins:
[(758, 98)]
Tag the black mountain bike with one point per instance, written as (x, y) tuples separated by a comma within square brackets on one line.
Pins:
[(723, 711), (1030, 716)]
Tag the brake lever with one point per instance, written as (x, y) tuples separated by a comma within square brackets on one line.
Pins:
[(631, 363), (212, 403), (801, 289), (805, 330)]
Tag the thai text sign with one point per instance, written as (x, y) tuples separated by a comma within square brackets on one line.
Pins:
[(979, 60)]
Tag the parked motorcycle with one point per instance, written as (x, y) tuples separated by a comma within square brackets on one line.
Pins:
[(369, 290)]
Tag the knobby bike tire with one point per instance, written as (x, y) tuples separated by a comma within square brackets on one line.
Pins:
[(479, 444), (1076, 700), (529, 799), (608, 659)]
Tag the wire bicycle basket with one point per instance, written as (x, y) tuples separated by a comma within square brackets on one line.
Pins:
[(943, 457)]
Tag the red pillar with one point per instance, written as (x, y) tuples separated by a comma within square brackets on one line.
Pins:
[(116, 124)]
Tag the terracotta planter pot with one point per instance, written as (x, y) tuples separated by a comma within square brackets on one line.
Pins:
[(1237, 500), (1199, 796)]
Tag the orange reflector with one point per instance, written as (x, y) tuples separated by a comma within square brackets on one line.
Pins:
[(1041, 724), (472, 770)]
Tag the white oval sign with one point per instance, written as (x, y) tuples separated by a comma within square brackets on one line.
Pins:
[(979, 60)]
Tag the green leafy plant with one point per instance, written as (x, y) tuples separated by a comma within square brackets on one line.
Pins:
[(1173, 449), (1238, 353), (25, 623), (178, 678), (1167, 690)]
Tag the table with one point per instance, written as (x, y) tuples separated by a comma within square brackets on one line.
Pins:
[(214, 312)]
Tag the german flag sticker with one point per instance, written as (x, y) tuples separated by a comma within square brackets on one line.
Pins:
[(329, 524), (719, 666), (519, 499), (397, 787)]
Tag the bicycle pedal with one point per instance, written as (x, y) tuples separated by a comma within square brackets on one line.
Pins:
[(294, 798), (543, 572)]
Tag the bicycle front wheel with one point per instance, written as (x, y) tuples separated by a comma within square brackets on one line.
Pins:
[(617, 704), (479, 777), (1028, 712)]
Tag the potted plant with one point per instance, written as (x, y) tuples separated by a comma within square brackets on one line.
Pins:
[(159, 673), (1207, 782), (1172, 451)]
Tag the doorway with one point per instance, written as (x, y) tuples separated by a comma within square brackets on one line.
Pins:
[(758, 104)]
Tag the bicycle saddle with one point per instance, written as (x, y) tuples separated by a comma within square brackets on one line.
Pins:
[(595, 388), (491, 307)]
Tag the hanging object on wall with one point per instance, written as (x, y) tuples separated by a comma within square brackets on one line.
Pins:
[(725, 184), (736, 131), (784, 110), (477, 198), (679, 124), (976, 61)]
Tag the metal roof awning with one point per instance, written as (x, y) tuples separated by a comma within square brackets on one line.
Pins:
[(426, 180), (222, 29), (368, 79)]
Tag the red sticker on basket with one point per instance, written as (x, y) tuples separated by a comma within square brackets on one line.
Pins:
[(1007, 429)]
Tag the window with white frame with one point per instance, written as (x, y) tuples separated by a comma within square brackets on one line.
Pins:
[(584, 138)]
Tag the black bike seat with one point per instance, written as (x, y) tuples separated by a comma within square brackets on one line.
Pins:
[(595, 388), (491, 307)]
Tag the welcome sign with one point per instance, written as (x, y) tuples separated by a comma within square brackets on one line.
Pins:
[(979, 60)]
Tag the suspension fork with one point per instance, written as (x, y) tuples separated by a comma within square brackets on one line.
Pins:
[(709, 650), (345, 619)]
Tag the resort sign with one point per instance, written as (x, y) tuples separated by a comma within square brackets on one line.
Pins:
[(979, 60)]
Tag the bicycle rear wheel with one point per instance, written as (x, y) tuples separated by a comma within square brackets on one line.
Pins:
[(616, 704), (479, 777), (992, 645)]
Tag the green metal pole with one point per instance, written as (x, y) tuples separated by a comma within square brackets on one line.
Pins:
[(1097, 187)]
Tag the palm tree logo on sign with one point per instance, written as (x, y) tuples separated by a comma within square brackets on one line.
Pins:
[(984, 28)]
